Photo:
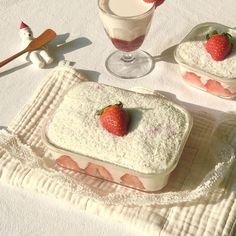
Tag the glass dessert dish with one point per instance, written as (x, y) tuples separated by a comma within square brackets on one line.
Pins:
[(200, 70), (126, 23), (142, 159)]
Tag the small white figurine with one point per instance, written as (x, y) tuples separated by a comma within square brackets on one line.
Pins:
[(39, 57)]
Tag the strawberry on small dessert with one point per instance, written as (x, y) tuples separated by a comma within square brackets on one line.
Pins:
[(115, 119), (67, 162), (219, 46)]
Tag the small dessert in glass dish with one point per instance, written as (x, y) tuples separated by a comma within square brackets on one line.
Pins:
[(207, 59), (142, 157), (127, 22)]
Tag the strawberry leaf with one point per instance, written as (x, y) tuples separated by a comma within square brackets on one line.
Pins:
[(227, 35), (211, 34), (99, 112), (120, 104)]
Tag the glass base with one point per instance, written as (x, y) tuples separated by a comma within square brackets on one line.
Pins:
[(128, 66)]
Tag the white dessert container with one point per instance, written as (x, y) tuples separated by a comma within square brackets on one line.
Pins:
[(196, 75), (92, 165)]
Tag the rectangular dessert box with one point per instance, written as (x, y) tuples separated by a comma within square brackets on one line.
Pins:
[(109, 171), (198, 78)]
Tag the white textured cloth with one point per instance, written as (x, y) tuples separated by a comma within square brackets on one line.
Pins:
[(82, 40), (22, 166)]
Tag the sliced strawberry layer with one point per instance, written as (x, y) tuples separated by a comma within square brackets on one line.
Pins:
[(92, 169), (105, 173), (193, 79), (67, 162), (131, 180), (216, 88), (98, 171)]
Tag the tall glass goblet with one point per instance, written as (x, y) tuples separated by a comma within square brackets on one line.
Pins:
[(126, 23)]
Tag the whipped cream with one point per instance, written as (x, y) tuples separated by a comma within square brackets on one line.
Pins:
[(116, 17), (156, 134), (193, 53), (126, 8)]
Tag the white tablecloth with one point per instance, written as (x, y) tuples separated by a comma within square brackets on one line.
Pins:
[(77, 22)]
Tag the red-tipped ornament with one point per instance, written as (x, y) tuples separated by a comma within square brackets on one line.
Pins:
[(23, 25)]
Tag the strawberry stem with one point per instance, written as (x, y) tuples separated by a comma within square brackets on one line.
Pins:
[(120, 104), (227, 35), (211, 34), (99, 112)]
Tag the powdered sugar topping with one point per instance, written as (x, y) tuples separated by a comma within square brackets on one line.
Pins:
[(156, 134), (194, 54)]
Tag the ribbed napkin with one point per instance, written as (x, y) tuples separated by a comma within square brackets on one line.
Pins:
[(26, 163)]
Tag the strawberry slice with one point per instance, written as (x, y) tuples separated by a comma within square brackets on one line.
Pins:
[(67, 162), (217, 89), (193, 79), (92, 169), (131, 180), (105, 173), (98, 171)]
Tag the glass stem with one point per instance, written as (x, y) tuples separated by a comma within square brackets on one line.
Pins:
[(127, 57)]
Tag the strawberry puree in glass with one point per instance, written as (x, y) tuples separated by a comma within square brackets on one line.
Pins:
[(128, 46)]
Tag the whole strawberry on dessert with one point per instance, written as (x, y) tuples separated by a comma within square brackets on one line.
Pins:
[(219, 45), (115, 119)]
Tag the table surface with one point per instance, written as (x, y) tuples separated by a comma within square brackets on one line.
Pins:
[(82, 41)]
